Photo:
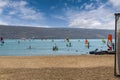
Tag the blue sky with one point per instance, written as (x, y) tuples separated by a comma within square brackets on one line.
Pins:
[(92, 14)]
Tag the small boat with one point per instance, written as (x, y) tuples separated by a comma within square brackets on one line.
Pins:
[(97, 52)]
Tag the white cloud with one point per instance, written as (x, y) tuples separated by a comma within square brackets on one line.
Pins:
[(19, 13), (52, 7), (89, 6), (12, 12), (3, 23), (24, 12), (2, 5), (101, 18), (27, 13), (59, 17), (115, 3), (79, 1), (1, 11)]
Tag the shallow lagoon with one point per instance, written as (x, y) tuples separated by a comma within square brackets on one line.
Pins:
[(16, 47)]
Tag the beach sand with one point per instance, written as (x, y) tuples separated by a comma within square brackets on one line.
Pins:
[(82, 67)]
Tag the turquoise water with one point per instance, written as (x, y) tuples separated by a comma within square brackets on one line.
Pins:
[(44, 47)]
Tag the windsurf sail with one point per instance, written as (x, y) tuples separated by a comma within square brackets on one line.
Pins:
[(68, 43), (109, 42), (103, 40), (67, 39), (86, 43), (1, 41)]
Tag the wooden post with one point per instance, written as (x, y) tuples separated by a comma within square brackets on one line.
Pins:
[(117, 45)]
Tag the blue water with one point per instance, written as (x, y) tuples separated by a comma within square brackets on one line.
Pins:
[(44, 47)]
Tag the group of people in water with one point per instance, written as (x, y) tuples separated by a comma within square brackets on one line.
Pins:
[(68, 44)]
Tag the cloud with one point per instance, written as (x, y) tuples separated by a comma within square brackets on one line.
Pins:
[(12, 12), (100, 18), (89, 6), (79, 1), (59, 17), (2, 5), (1, 11), (3, 23), (30, 14), (19, 13), (52, 7), (23, 11), (115, 3), (94, 14)]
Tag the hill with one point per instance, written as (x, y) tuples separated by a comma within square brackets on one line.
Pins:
[(17, 32)]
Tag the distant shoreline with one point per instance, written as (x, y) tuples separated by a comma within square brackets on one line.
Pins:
[(18, 32)]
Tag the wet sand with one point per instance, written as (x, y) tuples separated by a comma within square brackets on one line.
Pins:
[(83, 67)]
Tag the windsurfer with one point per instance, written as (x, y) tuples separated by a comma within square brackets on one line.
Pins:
[(55, 48), (2, 40)]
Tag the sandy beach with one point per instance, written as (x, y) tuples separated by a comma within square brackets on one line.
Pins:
[(83, 67)]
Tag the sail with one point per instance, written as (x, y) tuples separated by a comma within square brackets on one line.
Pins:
[(67, 39), (109, 42), (103, 40), (86, 43), (68, 43)]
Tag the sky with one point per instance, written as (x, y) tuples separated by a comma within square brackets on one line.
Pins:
[(91, 14)]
